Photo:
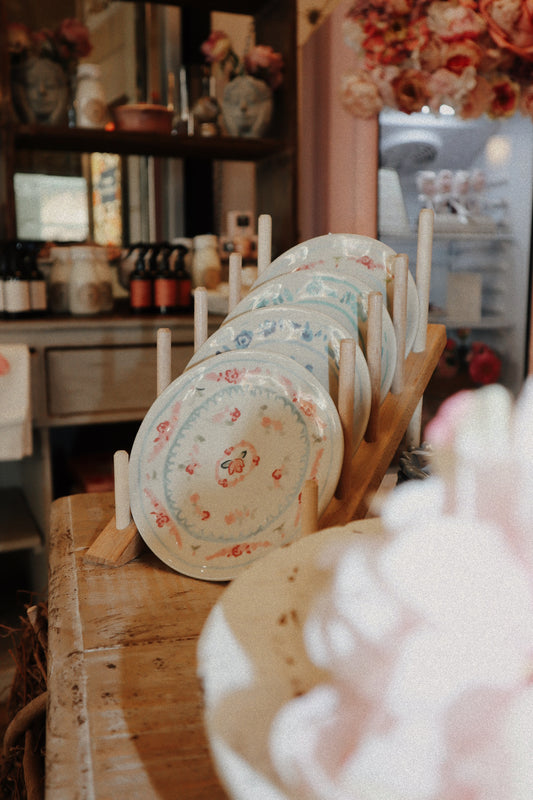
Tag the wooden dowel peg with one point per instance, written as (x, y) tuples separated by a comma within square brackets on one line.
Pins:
[(399, 317), (423, 274), (235, 280), (373, 357), (309, 508), (164, 341), (264, 242), (122, 492), (345, 405), (120, 541), (200, 317), (413, 434)]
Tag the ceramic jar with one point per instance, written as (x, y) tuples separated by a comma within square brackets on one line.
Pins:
[(90, 102), (84, 286), (206, 266)]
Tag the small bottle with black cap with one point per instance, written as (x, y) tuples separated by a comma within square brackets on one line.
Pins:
[(183, 281), (141, 293)]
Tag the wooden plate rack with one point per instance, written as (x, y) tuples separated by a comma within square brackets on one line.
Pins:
[(398, 416)]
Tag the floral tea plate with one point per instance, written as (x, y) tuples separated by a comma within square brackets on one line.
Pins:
[(359, 256), (340, 296), (309, 337), (219, 462)]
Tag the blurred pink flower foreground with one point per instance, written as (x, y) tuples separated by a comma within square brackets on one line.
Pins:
[(426, 636)]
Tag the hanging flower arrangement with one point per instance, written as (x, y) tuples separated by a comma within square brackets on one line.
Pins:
[(476, 57)]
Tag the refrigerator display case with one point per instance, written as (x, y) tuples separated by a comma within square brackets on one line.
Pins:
[(478, 176)]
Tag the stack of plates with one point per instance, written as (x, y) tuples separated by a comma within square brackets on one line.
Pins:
[(220, 461)]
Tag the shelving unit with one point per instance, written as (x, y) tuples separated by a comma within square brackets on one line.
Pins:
[(493, 261), (275, 158), (71, 358)]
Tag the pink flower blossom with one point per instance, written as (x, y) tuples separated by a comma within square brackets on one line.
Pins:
[(217, 47), (424, 635), (412, 90), (451, 20), (264, 63), (485, 366), (505, 97), (360, 95), (73, 36), (510, 24), (445, 86)]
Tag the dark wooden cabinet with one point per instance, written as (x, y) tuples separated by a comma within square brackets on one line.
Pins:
[(275, 157)]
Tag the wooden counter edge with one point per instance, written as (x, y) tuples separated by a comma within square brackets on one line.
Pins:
[(67, 718)]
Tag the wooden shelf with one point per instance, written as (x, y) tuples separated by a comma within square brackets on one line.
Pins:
[(89, 140), (228, 6), (371, 460)]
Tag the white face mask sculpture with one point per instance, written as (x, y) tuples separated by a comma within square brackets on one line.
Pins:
[(247, 106), (40, 92)]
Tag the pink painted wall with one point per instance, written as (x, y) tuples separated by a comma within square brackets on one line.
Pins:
[(338, 154)]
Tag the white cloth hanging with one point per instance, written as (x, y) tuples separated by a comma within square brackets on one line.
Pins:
[(15, 402)]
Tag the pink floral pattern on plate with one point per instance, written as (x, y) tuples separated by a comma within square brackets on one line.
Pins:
[(224, 452)]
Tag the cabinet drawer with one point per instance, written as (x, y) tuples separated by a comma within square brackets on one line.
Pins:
[(106, 380)]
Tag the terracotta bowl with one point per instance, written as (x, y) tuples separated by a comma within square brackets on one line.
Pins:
[(143, 117)]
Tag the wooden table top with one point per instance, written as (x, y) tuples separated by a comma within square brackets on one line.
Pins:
[(125, 705)]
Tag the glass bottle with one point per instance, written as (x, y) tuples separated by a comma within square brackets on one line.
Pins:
[(165, 285), (37, 282), (141, 299), (183, 280), (16, 285)]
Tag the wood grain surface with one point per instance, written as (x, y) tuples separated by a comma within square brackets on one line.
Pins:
[(125, 709)]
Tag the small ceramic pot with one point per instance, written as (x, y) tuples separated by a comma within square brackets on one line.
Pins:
[(143, 117)]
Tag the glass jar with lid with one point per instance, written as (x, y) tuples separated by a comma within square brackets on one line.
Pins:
[(84, 286)]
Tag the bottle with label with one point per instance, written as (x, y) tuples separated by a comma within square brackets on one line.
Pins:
[(206, 266), (165, 284), (183, 280), (37, 282), (90, 102), (141, 290), (84, 287), (16, 285), (58, 295)]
